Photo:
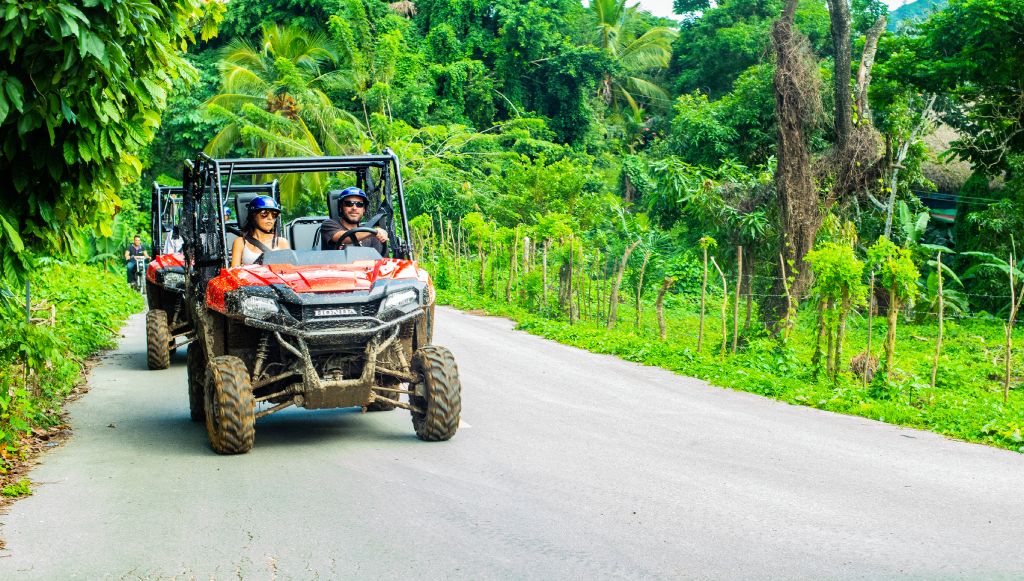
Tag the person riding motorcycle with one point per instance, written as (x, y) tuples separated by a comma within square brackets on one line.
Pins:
[(135, 249)]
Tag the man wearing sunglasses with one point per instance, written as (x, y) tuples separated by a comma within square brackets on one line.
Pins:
[(351, 208)]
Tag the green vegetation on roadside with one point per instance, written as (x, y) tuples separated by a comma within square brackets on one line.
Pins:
[(966, 402), (40, 363), (19, 488)]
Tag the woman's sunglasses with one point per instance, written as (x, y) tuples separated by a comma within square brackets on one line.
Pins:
[(353, 204), (266, 213)]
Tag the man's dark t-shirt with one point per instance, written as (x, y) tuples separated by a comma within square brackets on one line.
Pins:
[(134, 251), (330, 227)]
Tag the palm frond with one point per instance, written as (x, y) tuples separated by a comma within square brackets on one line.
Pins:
[(646, 89), (652, 49), (223, 141)]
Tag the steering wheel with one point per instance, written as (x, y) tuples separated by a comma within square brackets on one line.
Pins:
[(352, 233)]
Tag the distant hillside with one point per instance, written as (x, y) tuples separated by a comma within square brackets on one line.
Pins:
[(914, 11)]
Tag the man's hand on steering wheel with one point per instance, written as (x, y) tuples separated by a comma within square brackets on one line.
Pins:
[(380, 233)]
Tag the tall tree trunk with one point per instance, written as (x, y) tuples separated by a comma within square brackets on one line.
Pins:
[(659, 305), (795, 95), (839, 14), (867, 61), (613, 300)]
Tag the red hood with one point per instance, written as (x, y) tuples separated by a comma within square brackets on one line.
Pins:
[(164, 261), (358, 276)]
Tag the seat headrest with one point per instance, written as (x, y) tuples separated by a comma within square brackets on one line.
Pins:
[(242, 200), (333, 197)]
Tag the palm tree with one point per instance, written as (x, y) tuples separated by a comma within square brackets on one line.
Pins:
[(274, 101), (636, 56)]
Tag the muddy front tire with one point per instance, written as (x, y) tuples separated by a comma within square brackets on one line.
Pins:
[(196, 367), (230, 406), (439, 394), (158, 340)]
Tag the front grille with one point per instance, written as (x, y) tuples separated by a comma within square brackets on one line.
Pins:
[(308, 312)]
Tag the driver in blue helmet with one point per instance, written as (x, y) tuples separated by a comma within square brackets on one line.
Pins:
[(259, 233), (351, 209)]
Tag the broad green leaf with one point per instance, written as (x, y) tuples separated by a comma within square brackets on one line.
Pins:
[(938, 248), (15, 91), (13, 239), (91, 44)]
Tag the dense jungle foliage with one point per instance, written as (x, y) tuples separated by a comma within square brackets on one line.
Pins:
[(591, 165)]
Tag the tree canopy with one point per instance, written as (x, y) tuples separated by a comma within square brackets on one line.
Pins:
[(84, 85)]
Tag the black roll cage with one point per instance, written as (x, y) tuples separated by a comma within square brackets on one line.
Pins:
[(208, 174), (164, 198)]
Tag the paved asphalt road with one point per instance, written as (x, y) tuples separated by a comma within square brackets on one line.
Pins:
[(568, 465)]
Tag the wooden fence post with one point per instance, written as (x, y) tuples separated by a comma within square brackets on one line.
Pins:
[(725, 302), (736, 301), (938, 340)]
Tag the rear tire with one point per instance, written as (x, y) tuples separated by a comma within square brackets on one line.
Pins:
[(158, 340), (196, 366), (443, 394), (230, 406)]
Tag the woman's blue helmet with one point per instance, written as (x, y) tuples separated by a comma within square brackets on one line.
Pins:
[(263, 203)]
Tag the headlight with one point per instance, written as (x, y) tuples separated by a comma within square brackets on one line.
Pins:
[(174, 280), (398, 299), (258, 307)]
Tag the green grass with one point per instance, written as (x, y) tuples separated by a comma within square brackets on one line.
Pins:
[(967, 402), (19, 488)]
